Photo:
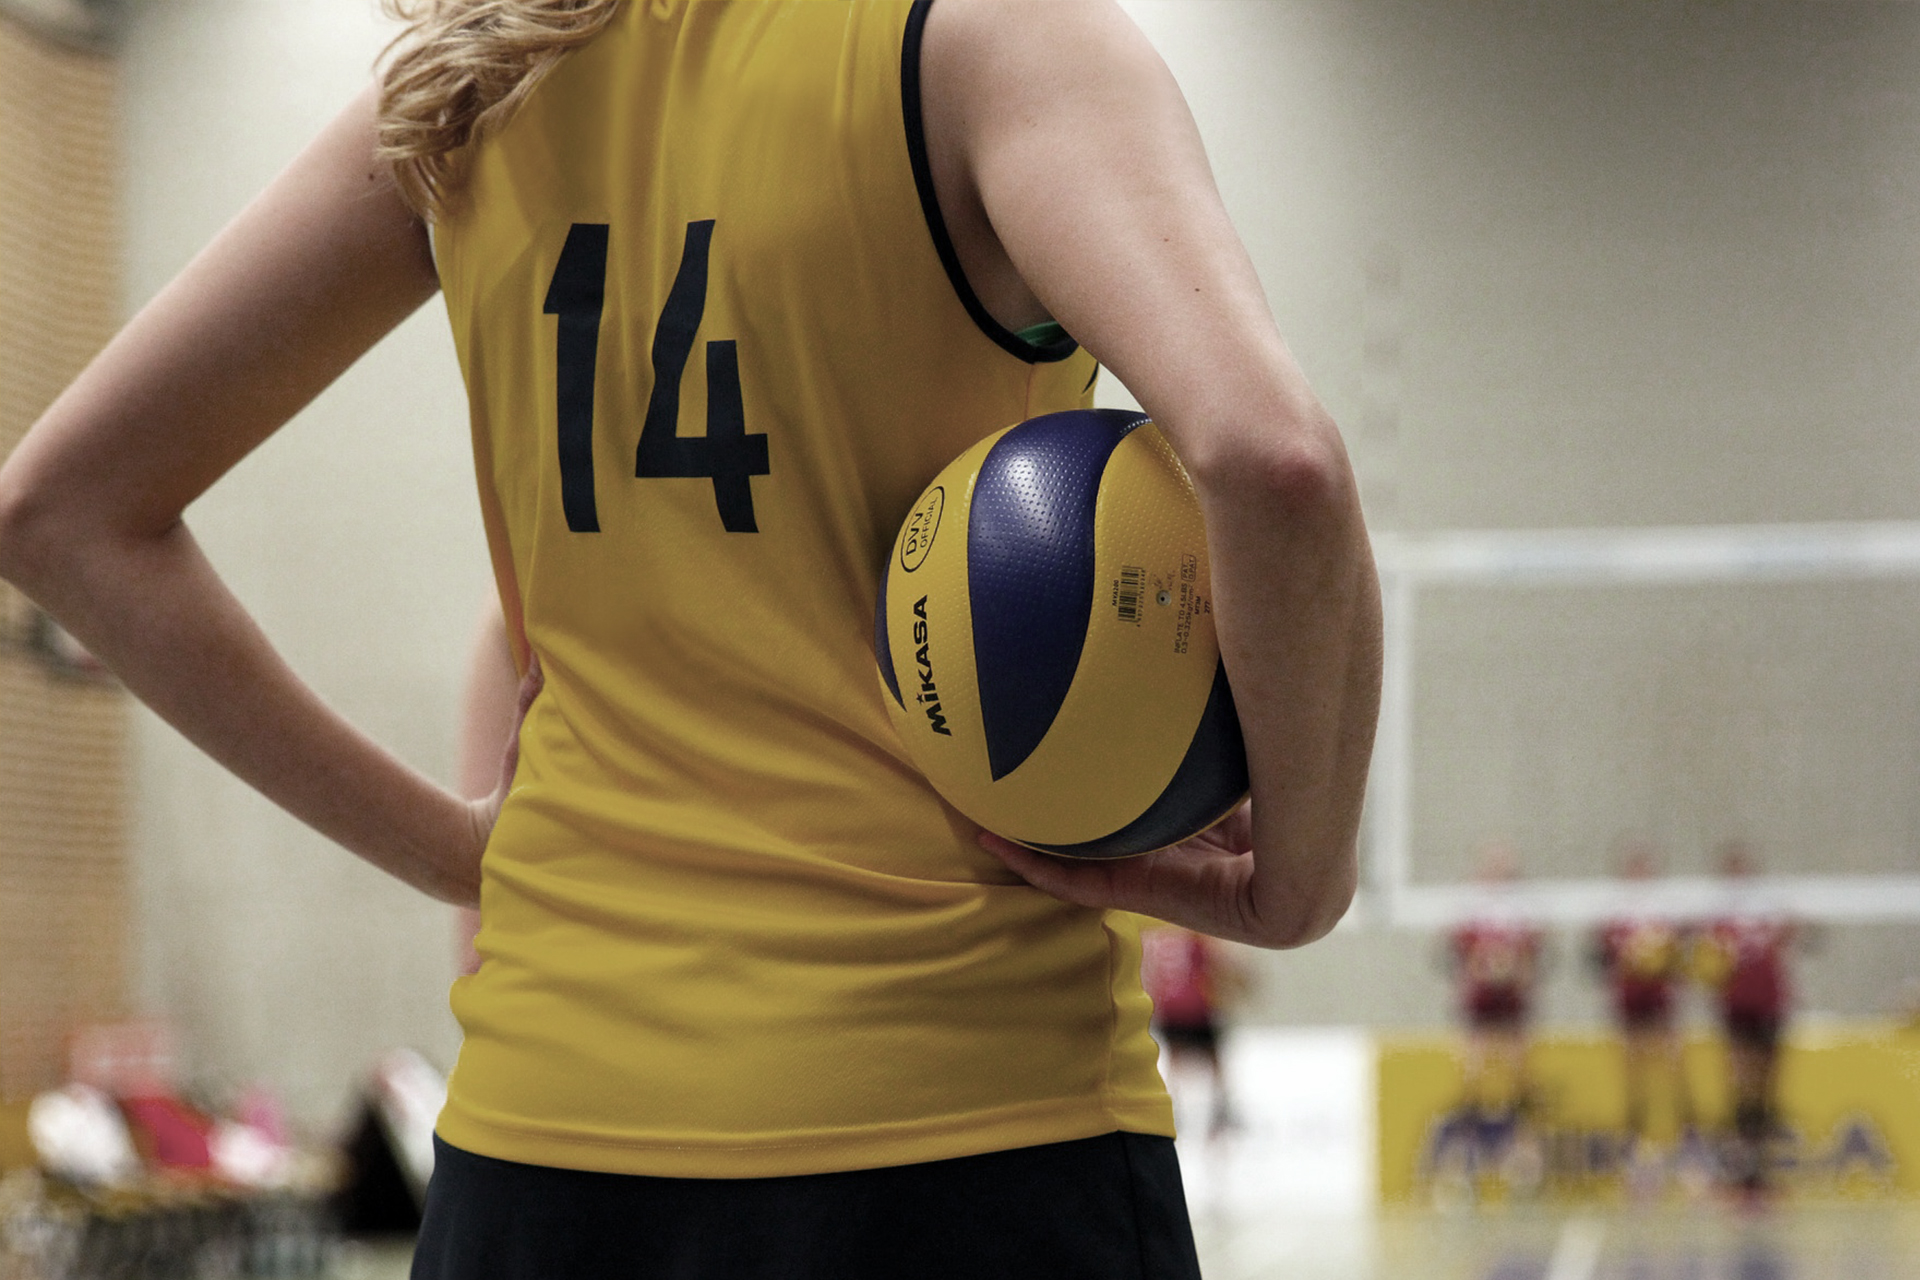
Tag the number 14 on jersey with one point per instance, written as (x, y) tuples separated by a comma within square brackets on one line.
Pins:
[(726, 455)]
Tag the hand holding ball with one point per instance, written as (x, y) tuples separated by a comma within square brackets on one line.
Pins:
[(1045, 638)]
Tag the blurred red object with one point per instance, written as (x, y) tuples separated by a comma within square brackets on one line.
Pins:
[(169, 1133)]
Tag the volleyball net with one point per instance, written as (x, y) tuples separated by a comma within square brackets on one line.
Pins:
[(1564, 691)]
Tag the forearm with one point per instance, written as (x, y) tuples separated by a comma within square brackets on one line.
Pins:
[(1297, 611), (1296, 595), (153, 609)]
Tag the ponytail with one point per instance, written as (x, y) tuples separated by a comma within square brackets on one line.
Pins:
[(458, 73)]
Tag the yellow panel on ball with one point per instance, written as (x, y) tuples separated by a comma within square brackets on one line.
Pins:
[(927, 627)]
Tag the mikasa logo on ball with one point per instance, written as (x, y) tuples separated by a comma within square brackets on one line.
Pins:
[(917, 538), (928, 697)]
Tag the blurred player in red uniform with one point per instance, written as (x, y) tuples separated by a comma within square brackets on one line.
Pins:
[(1496, 959), (1189, 976), (1641, 955), (1742, 958)]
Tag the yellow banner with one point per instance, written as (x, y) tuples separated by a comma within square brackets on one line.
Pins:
[(1848, 1108)]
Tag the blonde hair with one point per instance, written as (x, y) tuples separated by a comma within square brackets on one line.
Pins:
[(458, 73)]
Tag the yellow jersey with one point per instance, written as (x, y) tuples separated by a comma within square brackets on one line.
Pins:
[(715, 342)]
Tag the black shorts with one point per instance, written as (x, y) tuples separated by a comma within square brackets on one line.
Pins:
[(1754, 1030), (1205, 1038), (1497, 1017), (1106, 1208), (1646, 1019)]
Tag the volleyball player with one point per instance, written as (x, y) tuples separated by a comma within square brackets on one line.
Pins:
[(1189, 977), (1741, 956), (1641, 955), (729, 282), (1496, 958)]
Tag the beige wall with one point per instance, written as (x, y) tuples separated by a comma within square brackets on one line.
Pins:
[(1572, 264), (353, 536), (64, 893), (1605, 265), (1584, 264)]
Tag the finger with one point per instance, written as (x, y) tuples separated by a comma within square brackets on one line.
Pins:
[(1236, 829), (531, 683), (1086, 884), (1022, 861)]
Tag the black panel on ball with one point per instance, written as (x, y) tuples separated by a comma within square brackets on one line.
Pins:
[(882, 647), (1030, 558), (1210, 782)]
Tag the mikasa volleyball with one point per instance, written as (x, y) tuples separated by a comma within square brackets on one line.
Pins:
[(1045, 638)]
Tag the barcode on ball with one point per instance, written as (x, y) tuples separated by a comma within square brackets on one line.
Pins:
[(1132, 587)]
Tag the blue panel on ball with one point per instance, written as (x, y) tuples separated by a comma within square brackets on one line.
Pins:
[(1210, 781), (1030, 570), (882, 647)]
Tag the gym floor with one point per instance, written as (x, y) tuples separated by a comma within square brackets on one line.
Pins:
[(1833, 1241), (362, 1261)]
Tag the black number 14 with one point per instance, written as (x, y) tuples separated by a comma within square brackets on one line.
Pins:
[(726, 455)]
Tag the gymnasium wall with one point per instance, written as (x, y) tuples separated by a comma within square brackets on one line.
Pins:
[(64, 901), (1575, 264), (1588, 265), (354, 537)]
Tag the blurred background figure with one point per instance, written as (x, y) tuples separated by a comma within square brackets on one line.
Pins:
[(1190, 977), (1496, 959), (1741, 957), (1640, 954)]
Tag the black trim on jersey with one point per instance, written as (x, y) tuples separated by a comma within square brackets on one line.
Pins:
[(1009, 341)]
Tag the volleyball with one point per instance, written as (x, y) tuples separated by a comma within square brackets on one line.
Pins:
[(1045, 637)]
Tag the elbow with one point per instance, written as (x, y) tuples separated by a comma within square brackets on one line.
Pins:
[(24, 536), (1312, 911), (38, 533), (1303, 475)]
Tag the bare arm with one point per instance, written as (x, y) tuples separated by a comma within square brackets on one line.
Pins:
[(1070, 171), (316, 270), (490, 715)]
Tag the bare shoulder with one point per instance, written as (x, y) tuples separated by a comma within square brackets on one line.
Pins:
[(1062, 144), (1025, 102), (1034, 31), (1008, 56)]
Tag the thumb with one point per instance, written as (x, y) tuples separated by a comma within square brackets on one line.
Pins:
[(531, 684)]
